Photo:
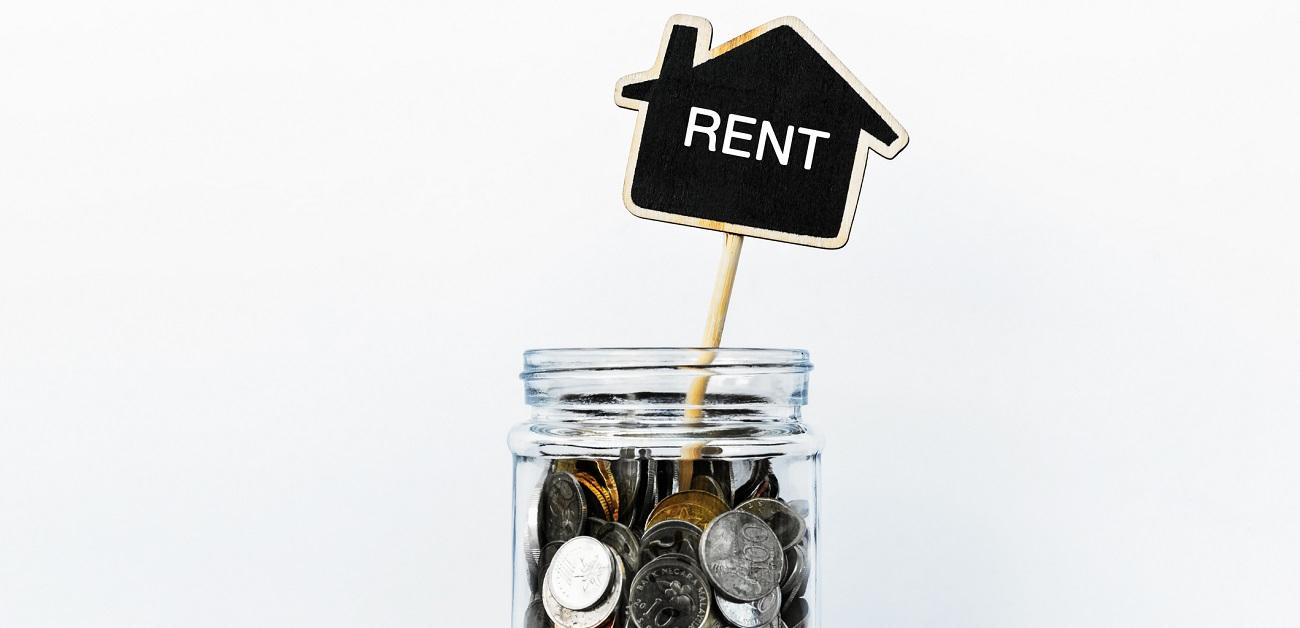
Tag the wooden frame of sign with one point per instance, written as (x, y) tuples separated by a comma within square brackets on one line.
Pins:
[(767, 196)]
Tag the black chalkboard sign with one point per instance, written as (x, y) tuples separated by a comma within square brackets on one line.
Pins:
[(766, 135)]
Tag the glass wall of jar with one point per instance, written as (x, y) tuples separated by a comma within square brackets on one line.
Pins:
[(665, 488)]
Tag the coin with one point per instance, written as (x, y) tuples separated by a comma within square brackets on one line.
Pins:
[(668, 593), (606, 472), (797, 570), (565, 510), (666, 482), (697, 507), (649, 493), (788, 525), (741, 556), (544, 561), (532, 535), (762, 482), (722, 472), (580, 573), (619, 538), (756, 614), (601, 499), (535, 615), (602, 612), (671, 536), (628, 476), (709, 484), (795, 613)]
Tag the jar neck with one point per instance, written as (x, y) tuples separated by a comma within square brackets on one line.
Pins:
[(670, 386), (682, 414)]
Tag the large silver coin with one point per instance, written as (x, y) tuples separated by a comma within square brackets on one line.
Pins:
[(668, 593), (742, 556), (597, 615), (756, 614), (580, 573), (670, 537), (564, 507), (785, 522)]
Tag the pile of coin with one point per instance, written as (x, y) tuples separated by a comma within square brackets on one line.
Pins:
[(644, 543)]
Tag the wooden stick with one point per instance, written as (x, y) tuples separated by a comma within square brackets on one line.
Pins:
[(722, 291), (713, 326)]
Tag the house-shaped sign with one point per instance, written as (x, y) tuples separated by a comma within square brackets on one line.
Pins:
[(766, 135)]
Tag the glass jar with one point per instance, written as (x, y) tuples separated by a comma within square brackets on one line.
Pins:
[(665, 488)]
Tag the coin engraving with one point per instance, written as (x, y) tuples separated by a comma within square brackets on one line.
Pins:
[(741, 556), (669, 594), (671, 536), (565, 507), (784, 521), (696, 507), (594, 617), (580, 573)]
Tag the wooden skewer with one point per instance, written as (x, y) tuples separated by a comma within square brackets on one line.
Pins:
[(713, 326)]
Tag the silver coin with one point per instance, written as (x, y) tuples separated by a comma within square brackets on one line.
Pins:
[(597, 615), (680, 558), (797, 571), (671, 536), (668, 593), (649, 495), (760, 482), (756, 614), (709, 484), (535, 615), (628, 478), (668, 471), (580, 573), (795, 613), (564, 507), (532, 536), (618, 538), (742, 556), (544, 560), (786, 523)]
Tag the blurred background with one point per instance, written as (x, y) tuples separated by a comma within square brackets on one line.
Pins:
[(267, 269)]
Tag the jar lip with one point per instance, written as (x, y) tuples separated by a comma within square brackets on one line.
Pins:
[(562, 360)]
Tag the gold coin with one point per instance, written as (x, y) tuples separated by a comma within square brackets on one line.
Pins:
[(696, 507), (611, 486), (589, 482)]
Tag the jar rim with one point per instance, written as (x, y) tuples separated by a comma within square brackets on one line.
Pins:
[(542, 362)]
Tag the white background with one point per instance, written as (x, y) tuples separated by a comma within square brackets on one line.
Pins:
[(267, 268)]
